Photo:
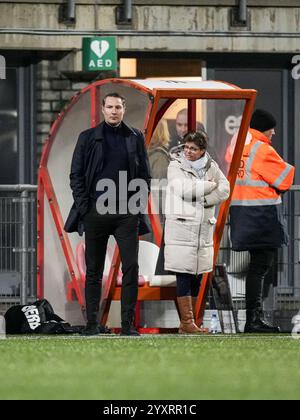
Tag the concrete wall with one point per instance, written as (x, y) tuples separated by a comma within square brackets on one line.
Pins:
[(54, 91), (274, 26), (157, 26)]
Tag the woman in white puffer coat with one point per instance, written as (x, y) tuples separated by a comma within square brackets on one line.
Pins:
[(195, 186)]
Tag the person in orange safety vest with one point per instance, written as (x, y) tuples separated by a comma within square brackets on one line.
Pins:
[(256, 221)]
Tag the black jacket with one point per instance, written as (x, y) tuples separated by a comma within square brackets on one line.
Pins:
[(257, 227), (88, 157)]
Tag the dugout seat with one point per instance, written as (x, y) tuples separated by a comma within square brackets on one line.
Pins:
[(151, 286)]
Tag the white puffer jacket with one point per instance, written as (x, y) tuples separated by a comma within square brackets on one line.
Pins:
[(190, 215)]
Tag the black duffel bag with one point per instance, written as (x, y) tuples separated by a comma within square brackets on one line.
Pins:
[(37, 318)]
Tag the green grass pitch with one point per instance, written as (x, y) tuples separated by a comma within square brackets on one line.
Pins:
[(150, 367)]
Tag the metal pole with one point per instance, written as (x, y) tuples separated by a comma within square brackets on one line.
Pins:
[(24, 247), (18, 188), (21, 125), (243, 11)]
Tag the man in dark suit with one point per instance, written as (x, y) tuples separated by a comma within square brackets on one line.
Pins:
[(111, 153)]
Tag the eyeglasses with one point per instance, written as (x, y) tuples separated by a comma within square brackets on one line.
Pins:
[(191, 149)]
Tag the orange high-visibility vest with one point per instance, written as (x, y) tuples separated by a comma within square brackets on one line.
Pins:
[(262, 175)]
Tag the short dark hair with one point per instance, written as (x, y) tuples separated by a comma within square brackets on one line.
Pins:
[(114, 95), (200, 138)]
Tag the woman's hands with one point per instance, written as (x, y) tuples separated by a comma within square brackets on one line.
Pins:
[(209, 186)]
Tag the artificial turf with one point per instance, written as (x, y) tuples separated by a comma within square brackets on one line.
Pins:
[(152, 367)]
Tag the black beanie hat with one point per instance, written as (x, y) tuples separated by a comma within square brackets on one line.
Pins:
[(262, 120)]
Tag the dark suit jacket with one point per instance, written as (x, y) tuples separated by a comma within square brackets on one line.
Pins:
[(88, 157)]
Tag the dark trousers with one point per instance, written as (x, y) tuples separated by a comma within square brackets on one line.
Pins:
[(98, 228), (261, 262), (187, 284)]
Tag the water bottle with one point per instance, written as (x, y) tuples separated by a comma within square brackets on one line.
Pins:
[(2, 328), (214, 323)]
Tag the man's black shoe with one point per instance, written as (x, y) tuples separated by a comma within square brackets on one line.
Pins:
[(259, 326), (95, 330), (130, 332)]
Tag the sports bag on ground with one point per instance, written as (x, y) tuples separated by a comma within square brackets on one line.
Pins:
[(36, 318)]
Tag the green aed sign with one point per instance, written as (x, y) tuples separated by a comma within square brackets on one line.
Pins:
[(99, 53)]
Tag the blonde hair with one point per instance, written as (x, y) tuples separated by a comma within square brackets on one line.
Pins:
[(161, 135)]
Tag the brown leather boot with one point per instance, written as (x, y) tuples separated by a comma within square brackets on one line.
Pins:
[(187, 324), (194, 304)]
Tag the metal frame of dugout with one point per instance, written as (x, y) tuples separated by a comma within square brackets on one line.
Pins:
[(59, 278)]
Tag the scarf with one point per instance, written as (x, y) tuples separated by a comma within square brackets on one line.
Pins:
[(199, 165)]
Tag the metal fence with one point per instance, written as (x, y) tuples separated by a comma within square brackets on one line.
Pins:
[(17, 245)]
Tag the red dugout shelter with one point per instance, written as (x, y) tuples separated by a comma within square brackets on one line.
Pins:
[(60, 271)]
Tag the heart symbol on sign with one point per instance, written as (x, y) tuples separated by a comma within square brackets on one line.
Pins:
[(100, 47)]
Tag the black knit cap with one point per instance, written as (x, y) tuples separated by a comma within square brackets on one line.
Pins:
[(262, 120)]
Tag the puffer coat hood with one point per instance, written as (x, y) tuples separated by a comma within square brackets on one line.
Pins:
[(190, 214)]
